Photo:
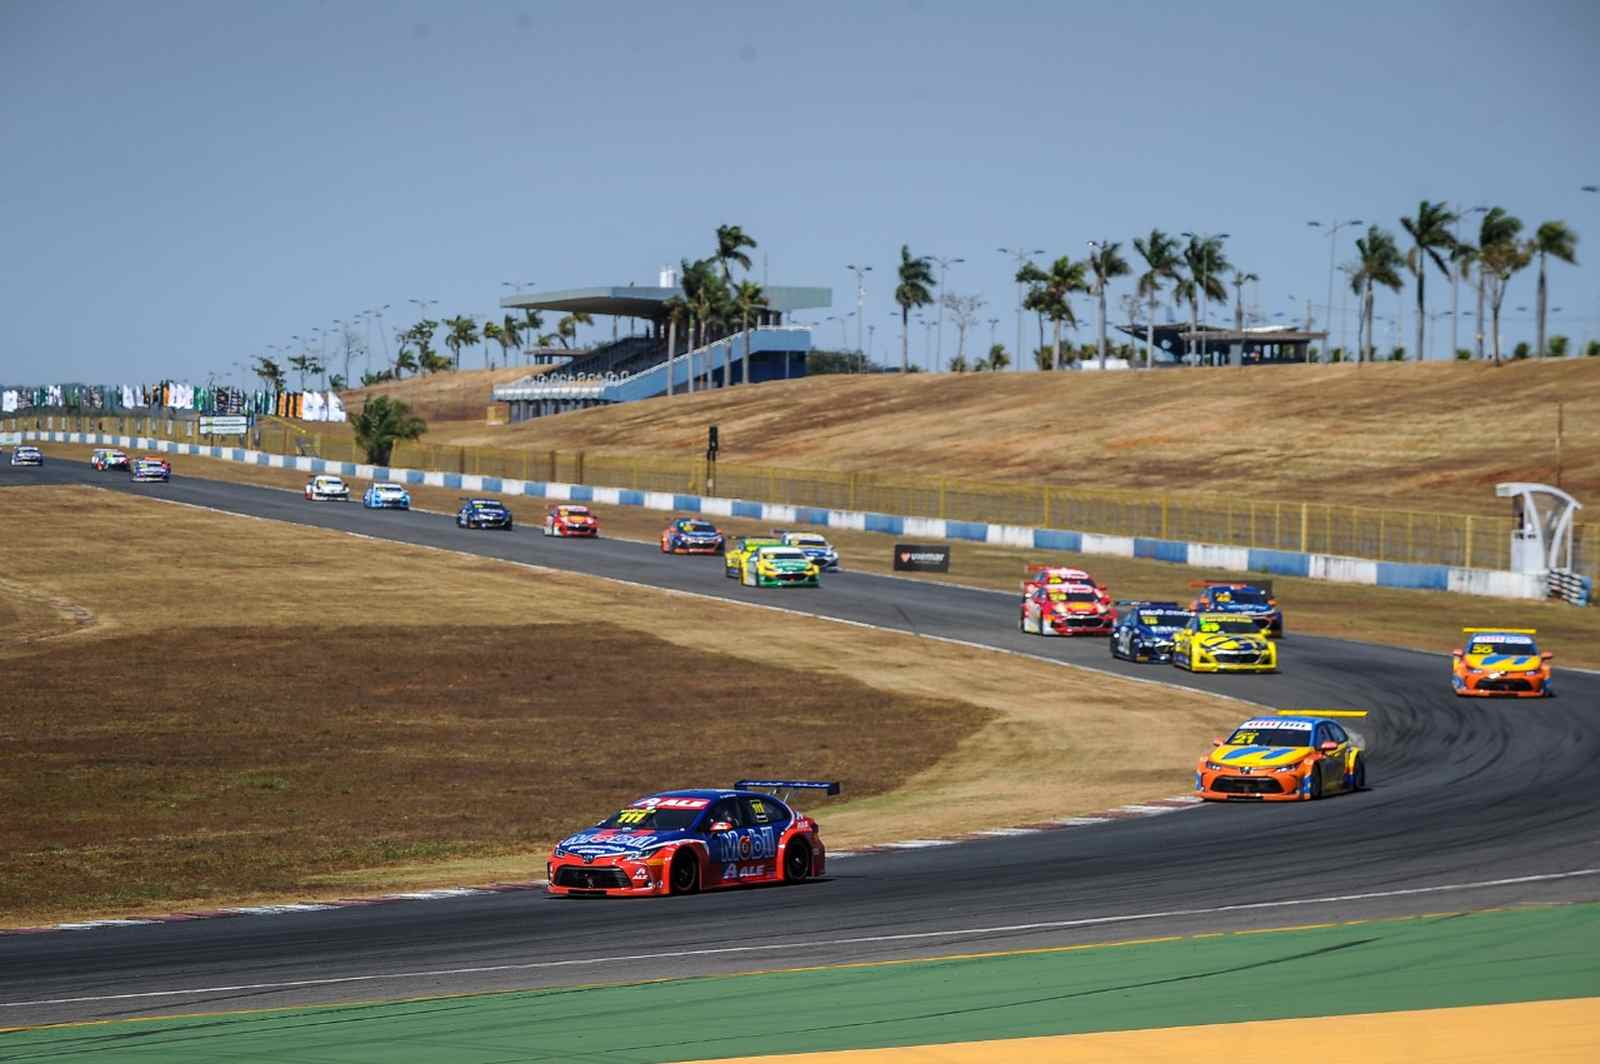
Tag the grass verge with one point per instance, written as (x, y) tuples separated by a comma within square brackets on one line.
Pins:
[(263, 710)]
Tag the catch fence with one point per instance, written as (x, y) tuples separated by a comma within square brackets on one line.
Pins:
[(1387, 535)]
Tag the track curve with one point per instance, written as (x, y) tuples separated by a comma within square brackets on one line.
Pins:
[(1473, 803)]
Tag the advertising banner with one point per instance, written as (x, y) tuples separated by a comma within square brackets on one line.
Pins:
[(224, 425), (922, 557)]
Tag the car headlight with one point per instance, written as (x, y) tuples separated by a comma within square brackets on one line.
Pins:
[(1212, 766), (1287, 768), (559, 852)]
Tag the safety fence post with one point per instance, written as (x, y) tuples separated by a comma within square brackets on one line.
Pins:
[(578, 478), (1468, 552), (941, 498), (1164, 501), (1381, 535), (1046, 492)]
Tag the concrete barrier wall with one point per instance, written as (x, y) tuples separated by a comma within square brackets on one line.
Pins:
[(1495, 583)]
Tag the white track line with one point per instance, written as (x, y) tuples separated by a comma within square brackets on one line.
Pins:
[(718, 951)]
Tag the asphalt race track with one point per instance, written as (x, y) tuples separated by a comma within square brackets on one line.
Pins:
[(1474, 803)]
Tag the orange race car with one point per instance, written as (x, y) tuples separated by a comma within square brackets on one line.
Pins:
[(1298, 755), (1500, 663)]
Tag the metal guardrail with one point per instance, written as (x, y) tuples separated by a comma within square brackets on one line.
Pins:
[(1405, 536)]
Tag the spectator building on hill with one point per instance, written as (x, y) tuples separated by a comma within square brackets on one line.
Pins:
[(1211, 345)]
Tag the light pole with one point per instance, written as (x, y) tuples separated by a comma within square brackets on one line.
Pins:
[(1204, 240), (382, 334), (993, 324), (944, 265), (861, 296), (1332, 229), (1455, 275), (871, 340), (1021, 256), (927, 337)]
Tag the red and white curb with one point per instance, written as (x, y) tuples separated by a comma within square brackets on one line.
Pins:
[(1175, 804)]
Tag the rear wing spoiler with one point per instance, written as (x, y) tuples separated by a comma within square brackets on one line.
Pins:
[(1322, 713), (1136, 603), (1506, 631), (1263, 585), (830, 786)]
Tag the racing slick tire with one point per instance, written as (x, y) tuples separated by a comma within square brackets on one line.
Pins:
[(664, 548), (684, 875), (1358, 778), (797, 862), (1313, 786)]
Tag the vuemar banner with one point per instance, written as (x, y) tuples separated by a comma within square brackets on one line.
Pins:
[(922, 557)]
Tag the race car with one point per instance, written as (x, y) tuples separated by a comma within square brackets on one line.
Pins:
[(680, 842), (1066, 609), (1058, 576), (740, 550), (149, 468), (1298, 755), (1501, 663), (325, 488), (483, 513), (1223, 642), (780, 567), (104, 458), (813, 545), (569, 520), (385, 496), (691, 535), (22, 454), (1253, 599), (1145, 630)]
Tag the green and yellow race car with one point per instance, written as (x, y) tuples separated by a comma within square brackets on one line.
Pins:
[(780, 567), (1223, 642), (740, 550)]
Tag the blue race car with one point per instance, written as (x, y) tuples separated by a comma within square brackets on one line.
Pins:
[(386, 497), (1144, 630), (1252, 599), (682, 842), (483, 513)]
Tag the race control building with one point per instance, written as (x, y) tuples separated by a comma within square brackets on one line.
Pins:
[(637, 364)]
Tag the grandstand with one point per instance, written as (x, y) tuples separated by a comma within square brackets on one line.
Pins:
[(636, 365)]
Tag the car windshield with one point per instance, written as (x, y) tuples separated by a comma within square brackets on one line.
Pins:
[(1163, 619), (636, 819), (698, 526), (1243, 596), (575, 511), (1232, 627), (1274, 736), (1074, 596), (488, 506), (808, 541), (786, 555), (1516, 645)]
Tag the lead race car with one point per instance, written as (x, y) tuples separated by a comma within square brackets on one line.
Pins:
[(1253, 600), (680, 842), (1501, 663), (1298, 755), (148, 468), (780, 567), (326, 488)]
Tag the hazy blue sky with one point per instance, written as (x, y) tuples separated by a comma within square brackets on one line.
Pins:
[(185, 183)]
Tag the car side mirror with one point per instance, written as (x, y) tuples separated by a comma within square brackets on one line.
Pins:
[(1547, 655), (1456, 653), (718, 826), (1328, 747), (1216, 742)]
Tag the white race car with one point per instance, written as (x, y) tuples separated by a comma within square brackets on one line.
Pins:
[(813, 545), (25, 455), (105, 458), (324, 488)]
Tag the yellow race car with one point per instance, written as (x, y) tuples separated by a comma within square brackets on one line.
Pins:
[(740, 551), (1223, 642)]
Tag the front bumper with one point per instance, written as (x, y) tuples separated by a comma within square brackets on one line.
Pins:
[(583, 531), (606, 878), (1504, 685), (786, 580), (387, 504), (1146, 652), (481, 522), (329, 496), (680, 547), (147, 478), (1250, 787), (1084, 625)]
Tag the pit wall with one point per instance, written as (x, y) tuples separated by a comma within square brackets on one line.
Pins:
[(1491, 582)]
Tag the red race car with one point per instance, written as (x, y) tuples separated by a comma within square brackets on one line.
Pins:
[(570, 520), (1067, 609), (680, 842)]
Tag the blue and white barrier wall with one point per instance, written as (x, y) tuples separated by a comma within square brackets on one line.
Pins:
[(1493, 582)]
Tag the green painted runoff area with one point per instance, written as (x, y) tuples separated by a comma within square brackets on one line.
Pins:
[(1431, 962)]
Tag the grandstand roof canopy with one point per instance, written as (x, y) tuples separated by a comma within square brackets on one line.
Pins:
[(639, 301)]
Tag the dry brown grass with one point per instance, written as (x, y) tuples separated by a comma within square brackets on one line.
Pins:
[(1422, 619), (464, 396), (1428, 436), (165, 756)]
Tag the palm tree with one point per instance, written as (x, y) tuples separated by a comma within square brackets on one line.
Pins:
[(300, 363), (493, 331), (1500, 255), (463, 333), (1207, 266), (404, 360), (748, 300), (382, 423), (1239, 281), (1055, 288), (1464, 256), (731, 242), (567, 327), (1106, 263), (1378, 261), (533, 326), (697, 279), (914, 290), (1429, 230), (270, 372), (1160, 254), (511, 330), (1552, 239)]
